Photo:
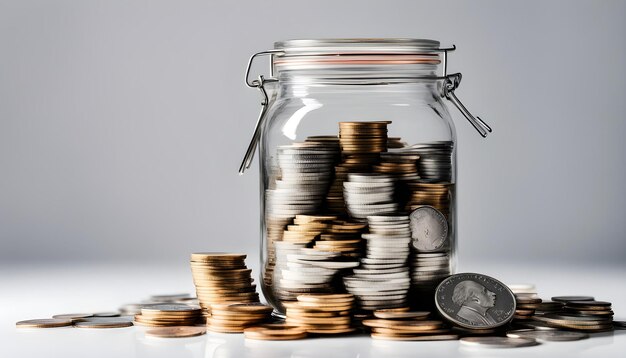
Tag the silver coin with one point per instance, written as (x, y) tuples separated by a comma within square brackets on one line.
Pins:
[(473, 300), (429, 229), (497, 342), (552, 336)]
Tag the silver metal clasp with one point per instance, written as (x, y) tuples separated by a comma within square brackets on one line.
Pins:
[(450, 83), (260, 84)]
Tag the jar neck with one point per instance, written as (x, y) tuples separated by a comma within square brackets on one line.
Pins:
[(426, 90)]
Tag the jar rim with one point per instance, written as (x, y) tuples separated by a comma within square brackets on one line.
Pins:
[(338, 46)]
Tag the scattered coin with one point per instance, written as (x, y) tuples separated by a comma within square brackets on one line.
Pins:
[(566, 299), (553, 336), (73, 316), (103, 322), (44, 323)]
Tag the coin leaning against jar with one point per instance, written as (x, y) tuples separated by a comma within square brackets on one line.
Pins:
[(475, 301)]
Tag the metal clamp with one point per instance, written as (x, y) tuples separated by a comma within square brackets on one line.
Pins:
[(247, 159), (451, 83)]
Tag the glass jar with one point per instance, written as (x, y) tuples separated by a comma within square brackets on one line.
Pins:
[(358, 170)]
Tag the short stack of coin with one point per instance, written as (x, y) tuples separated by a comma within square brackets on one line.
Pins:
[(321, 314), (601, 309), (369, 194), (173, 314), (382, 280), (275, 332), (526, 301), (407, 326), (234, 318), (436, 195), (300, 269), (222, 278), (363, 137), (435, 164)]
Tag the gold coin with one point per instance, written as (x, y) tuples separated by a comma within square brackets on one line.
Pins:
[(402, 332), (44, 323), (331, 331), (274, 334), (244, 307), (176, 332)]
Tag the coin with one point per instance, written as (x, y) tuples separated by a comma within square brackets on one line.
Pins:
[(553, 336), (497, 342), (566, 299), (429, 229), (104, 322), (73, 316), (436, 337), (275, 332), (473, 300), (176, 332), (44, 323)]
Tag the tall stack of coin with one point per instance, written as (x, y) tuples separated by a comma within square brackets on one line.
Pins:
[(298, 185), (382, 280), (322, 314), (361, 144), (222, 278), (164, 315), (369, 194), (431, 246), (235, 318)]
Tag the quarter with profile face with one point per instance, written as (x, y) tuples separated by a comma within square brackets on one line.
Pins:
[(477, 301)]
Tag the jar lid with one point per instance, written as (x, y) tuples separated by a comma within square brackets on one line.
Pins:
[(379, 46)]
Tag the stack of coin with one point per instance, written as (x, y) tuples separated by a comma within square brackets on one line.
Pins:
[(548, 307), (382, 280), (363, 137), (435, 164), (402, 165), (436, 195), (407, 326), (427, 271), (301, 269), (577, 321), (335, 202), (590, 308), (222, 278), (275, 332), (306, 270), (526, 301), (369, 194), (396, 143), (298, 184), (173, 314), (235, 318), (322, 314)]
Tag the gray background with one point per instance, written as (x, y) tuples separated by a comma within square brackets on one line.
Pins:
[(122, 123)]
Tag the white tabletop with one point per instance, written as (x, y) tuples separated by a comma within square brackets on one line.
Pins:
[(38, 292)]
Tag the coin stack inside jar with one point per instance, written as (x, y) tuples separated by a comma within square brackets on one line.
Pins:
[(350, 177)]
